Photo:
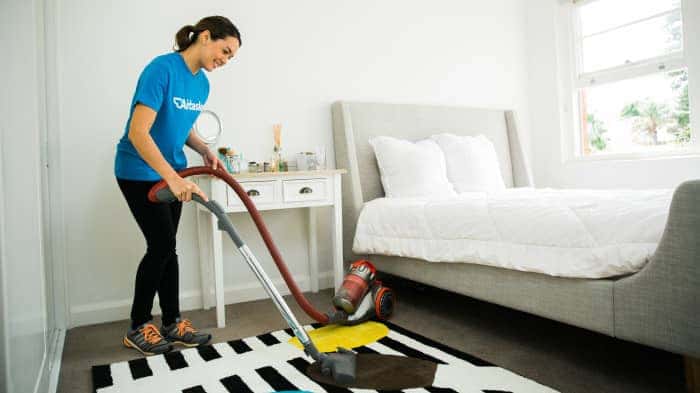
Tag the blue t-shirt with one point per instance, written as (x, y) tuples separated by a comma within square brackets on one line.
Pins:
[(168, 87)]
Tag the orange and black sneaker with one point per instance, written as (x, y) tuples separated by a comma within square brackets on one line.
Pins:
[(182, 332), (147, 340)]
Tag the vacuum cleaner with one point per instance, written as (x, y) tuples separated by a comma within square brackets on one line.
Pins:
[(361, 296)]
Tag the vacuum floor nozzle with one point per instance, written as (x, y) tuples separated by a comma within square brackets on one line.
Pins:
[(341, 366)]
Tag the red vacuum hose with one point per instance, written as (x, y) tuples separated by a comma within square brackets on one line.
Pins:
[(222, 174)]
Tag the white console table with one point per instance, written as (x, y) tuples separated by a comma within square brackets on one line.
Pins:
[(269, 191)]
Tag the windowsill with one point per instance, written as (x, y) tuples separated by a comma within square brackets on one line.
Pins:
[(693, 152)]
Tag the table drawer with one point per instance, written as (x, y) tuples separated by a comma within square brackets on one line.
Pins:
[(261, 192), (305, 190)]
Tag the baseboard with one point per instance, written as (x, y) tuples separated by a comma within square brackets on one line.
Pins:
[(101, 312)]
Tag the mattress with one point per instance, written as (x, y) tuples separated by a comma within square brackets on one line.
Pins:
[(564, 233)]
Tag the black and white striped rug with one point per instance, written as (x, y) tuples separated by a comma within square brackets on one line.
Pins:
[(268, 363)]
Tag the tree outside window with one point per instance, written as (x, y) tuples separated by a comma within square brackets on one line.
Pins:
[(631, 76)]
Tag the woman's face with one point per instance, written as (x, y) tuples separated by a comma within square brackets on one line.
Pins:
[(216, 53)]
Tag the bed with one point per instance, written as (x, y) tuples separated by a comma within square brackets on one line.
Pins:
[(561, 233), (657, 305)]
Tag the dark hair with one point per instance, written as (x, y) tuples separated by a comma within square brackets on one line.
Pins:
[(219, 27)]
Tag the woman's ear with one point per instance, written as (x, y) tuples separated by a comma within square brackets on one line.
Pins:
[(205, 36)]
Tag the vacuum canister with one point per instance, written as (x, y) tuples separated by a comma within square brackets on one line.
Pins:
[(355, 286)]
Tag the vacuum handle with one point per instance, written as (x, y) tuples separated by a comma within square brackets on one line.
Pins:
[(165, 195)]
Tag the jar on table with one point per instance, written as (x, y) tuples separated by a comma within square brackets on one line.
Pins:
[(253, 167)]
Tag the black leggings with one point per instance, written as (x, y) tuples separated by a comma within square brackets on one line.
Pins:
[(158, 270)]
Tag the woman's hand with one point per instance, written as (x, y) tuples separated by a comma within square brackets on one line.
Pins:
[(211, 159), (183, 189)]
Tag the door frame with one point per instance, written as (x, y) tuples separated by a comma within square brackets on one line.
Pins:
[(51, 167)]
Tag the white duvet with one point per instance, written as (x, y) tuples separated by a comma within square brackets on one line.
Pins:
[(567, 233)]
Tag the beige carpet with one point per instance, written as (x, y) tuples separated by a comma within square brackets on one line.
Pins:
[(565, 358)]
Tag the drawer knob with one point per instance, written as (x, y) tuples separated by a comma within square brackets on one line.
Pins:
[(306, 190), (253, 193)]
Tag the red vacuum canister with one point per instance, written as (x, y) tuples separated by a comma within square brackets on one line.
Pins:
[(355, 286)]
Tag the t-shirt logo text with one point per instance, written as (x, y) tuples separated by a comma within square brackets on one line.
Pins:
[(181, 103)]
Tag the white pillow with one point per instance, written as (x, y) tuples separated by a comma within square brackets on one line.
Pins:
[(472, 163), (411, 169)]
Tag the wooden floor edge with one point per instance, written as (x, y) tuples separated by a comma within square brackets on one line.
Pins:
[(692, 374)]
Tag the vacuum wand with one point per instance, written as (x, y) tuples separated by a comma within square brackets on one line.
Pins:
[(359, 298), (221, 173), (340, 365)]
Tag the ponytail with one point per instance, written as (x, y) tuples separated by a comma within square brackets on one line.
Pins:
[(219, 28), (185, 37)]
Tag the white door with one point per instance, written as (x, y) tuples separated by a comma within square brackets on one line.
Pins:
[(25, 306)]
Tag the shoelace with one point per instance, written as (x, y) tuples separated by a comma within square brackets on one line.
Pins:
[(151, 334), (185, 326)]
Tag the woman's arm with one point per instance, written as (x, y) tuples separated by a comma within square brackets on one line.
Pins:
[(139, 134), (197, 144)]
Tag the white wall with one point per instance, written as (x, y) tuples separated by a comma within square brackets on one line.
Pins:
[(544, 73), (296, 59)]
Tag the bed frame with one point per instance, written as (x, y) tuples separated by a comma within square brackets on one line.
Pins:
[(658, 306)]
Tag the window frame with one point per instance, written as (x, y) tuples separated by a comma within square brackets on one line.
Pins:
[(573, 79)]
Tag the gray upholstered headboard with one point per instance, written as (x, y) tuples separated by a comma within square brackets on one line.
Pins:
[(354, 123)]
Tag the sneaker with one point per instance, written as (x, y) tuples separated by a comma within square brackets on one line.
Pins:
[(182, 332), (147, 340)]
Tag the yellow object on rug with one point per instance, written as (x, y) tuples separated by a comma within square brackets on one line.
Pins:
[(329, 338)]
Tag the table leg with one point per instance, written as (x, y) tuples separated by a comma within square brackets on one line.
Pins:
[(313, 252), (218, 273), (204, 252)]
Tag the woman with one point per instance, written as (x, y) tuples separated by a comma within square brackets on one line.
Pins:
[(169, 96)]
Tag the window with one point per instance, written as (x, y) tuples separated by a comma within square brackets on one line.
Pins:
[(631, 78)]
